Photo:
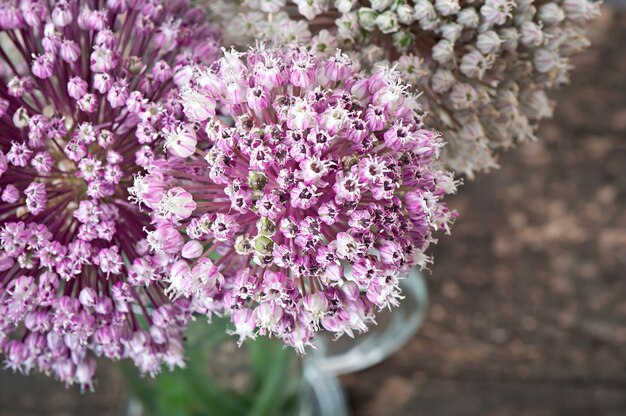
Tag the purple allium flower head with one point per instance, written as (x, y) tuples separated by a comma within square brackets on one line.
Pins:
[(83, 91), (318, 170)]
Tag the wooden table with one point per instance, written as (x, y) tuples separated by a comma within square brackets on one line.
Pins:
[(528, 313)]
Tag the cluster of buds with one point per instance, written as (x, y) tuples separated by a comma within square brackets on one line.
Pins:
[(243, 22), (84, 96), (307, 208), (483, 67)]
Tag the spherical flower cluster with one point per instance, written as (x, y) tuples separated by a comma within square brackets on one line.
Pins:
[(84, 92), (483, 67), (318, 195), (244, 21)]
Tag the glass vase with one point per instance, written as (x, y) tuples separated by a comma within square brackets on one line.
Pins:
[(260, 378), (394, 329), (263, 377)]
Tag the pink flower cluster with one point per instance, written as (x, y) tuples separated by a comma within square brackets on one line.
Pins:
[(84, 95), (304, 207)]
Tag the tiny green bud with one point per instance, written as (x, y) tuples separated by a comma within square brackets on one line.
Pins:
[(211, 156), (387, 22), (266, 227), (243, 245), (367, 18), (256, 195), (255, 131), (348, 162), (205, 225), (257, 180), (134, 65), (263, 245), (402, 40)]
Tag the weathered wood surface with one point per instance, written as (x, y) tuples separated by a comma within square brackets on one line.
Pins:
[(528, 314), (528, 295)]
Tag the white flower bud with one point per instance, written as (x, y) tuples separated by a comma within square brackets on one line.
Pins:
[(468, 18), (488, 42), (430, 25), (380, 5), (495, 12), (531, 35), (523, 5), (462, 96), (473, 65), (510, 37), (520, 16), (580, 10), (405, 14), (61, 16), (348, 26), (536, 105), (183, 75), (551, 14), (424, 10), (482, 95), (447, 7), (49, 29), (310, 9), (545, 60), (472, 131), (442, 81), (402, 40), (20, 118), (575, 43), (411, 67), (271, 6), (367, 18), (443, 51), (344, 6), (506, 98), (372, 54), (177, 203), (387, 22), (451, 31)]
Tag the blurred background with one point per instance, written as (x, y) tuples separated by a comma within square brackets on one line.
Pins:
[(528, 295)]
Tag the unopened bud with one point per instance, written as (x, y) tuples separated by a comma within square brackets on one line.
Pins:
[(402, 40), (367, 18), (20, 118), (266, 227), (263, 245), (192, 249), (257, 180), (387, 22), (243, 246)]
